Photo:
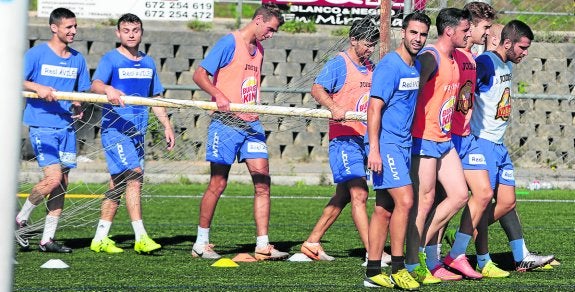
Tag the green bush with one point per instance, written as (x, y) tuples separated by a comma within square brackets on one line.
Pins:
[(197, 25), (293, 26), (340, 32)]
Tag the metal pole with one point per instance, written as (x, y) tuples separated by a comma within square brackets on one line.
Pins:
[(407, 7), (239, 10), (13, 19), (384, 28)]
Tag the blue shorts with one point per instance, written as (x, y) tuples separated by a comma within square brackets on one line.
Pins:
[(395, 171), (499, 163), (227, 142), (123, 152), (54, 146), (422, 147), (471, 156), (347, 158)]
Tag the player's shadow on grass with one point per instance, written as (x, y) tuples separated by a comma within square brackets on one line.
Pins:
[(250, 247), (127, 240)]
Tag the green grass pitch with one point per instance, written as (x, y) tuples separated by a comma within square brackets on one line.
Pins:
[(171, 216)]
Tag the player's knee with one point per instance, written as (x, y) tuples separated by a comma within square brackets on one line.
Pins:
[(404, 203), (131, 175), (113, 195)]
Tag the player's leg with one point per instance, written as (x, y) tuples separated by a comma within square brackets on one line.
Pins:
[(423, 171), (64, 141), (450, 175), (478, 182), (45, 144), (312, 247), (359, 192), (254, 152), (223, 144), (378, 227), (110, 203), (524, 260)]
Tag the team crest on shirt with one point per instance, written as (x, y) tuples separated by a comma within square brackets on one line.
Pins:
[(445, 115), (465, 98), (249, 91), (504, 106), (362, 104)]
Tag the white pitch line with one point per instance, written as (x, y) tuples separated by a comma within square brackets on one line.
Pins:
[(324, 198)]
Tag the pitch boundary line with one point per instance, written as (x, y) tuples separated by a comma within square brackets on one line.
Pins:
[(96, 196)]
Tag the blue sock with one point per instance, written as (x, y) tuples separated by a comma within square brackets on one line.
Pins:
[(459, 245), (482, 260), (411, 267), (517, 249), (432, 259)]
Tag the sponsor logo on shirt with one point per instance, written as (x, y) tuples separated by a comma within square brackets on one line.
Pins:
[(257, 147), (135, 73), (508, 174), (465, 98), (409, 83), (445, 115), (59, 71), (249, 90), (504, 106), (475, 159), (362, 104)]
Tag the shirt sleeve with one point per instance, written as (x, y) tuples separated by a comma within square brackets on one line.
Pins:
[(485, 72), (84, 75), (157, 88), (29, 65), (384, 80), (104, 70), (220, 55), (332, 75)]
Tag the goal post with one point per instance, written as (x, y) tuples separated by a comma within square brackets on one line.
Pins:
[(13, 29)]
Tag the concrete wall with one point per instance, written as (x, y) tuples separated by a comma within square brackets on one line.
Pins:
[(542, 131)]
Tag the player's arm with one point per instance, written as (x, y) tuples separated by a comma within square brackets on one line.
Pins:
[(202, 79), (428, 69), (329, 81), (322, 97), (374, 162), (44, 92), (113, 94), (220, 56), (162, 115)]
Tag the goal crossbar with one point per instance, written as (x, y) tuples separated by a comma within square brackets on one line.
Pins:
[(206, 105)]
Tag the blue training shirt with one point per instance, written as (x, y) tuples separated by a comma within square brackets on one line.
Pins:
[(397, 84), (134, 78), (333, 74), (43, 66), (220, 55)]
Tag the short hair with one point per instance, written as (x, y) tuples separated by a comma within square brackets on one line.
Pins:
[(57, 14), (480, 11), (129, 18), (450, 17), (416, 16), (364, 29), (515, 30), (269, 10)]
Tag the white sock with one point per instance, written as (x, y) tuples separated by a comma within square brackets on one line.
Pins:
[(102, 229), (203, 236), (49, 229), (525, 250), (262, 241), (26, 210), (139, 229)]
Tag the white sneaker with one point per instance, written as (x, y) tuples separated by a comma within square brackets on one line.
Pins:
[(269, 253), (384, 260), (205, 251)]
